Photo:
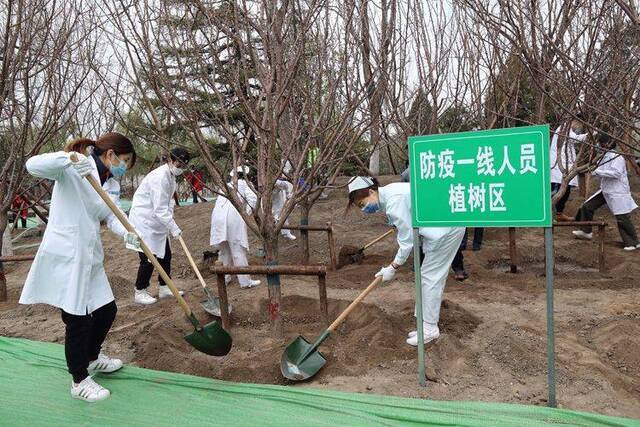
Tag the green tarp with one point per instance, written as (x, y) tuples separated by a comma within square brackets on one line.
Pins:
[(34, 391)]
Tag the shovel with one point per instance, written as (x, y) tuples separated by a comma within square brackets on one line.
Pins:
[(211, 338), (302, 360), (350, 255), (212, 304)]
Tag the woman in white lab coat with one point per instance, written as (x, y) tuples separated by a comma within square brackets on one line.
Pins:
[(439, 244), (152, 215), (68, 270), (281, 193), (229, 231), (614, 192), (563, 158)]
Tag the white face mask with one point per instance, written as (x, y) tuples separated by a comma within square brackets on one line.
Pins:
[(176, 171)]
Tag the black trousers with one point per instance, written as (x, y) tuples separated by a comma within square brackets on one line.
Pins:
[(563, 200), (194, 193), (23, 221), (457, 265), (84, 336), (478, 234), (145, 271), (625, 226)]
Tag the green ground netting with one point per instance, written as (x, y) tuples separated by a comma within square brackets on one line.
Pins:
[(34, 391)]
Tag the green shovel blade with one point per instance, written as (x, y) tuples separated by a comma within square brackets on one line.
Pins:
[(210, 339), (301, 360)]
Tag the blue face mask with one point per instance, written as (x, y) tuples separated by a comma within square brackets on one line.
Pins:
[(371, 207), (119, 170)]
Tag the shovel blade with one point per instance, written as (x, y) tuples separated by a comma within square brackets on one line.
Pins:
[(298, 367), (211, 339), (212, 306)]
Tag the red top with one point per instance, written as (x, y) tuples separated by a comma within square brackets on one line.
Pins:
[(20, 204), (195, 179)]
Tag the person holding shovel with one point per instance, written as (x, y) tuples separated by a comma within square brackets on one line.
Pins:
[(228, 229), (439, 244), (68, 270), (152, 216)]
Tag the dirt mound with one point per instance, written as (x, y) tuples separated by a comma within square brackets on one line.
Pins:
[(619, 337), (369, 337)]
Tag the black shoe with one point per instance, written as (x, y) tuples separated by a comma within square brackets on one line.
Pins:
[(461, 276)]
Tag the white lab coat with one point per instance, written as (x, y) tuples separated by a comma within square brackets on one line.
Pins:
[(68, 270), (152, 209), (439, 244), (614, 184), (565, 157), (281, 193), (227, 224)]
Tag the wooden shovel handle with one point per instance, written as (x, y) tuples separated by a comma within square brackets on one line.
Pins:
[(373, 242), (127, 225), (192, 262), (353, 305)]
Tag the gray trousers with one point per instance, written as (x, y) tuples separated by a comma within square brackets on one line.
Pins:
[(625, 226)]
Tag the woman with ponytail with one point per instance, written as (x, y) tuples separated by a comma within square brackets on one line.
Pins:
[(68, 270)]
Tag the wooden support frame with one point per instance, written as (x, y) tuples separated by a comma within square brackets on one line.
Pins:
[(3, 279), (305, 229), (600, 248), (601, 231), (289, 270)]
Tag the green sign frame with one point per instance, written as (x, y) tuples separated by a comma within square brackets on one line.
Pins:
[(492, 178)]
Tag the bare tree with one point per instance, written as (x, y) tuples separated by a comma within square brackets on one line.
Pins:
[(46, 50)]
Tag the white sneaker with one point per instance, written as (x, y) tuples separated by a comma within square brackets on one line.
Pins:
[(582, 235), (430, 334), (143, 297), (251, 284), (89, 390), (164, 292), (630, 248), (289, 236), (104, 364)]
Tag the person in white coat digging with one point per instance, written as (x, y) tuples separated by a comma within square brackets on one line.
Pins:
[(614, 192), (68, 270), (439, 244), (152, 215), (563, 157), (281, 193), (229, 231)]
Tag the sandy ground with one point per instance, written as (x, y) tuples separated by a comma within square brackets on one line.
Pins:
[(493, 343)]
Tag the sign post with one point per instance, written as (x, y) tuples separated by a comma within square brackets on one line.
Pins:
[(493, 178)]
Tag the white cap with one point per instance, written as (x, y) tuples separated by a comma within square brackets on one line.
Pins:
[(359, 182), (241, 169), (287, 167)]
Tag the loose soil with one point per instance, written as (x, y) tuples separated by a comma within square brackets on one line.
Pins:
[(493, 326)]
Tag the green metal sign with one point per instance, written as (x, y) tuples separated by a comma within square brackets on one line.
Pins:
[(493, 178)]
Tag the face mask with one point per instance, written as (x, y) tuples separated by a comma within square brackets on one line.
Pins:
[(371, 207), (119, 170), (176, 171)]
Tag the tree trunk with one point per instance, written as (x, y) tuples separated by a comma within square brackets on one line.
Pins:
[(304, 234), (273, 283), (3, 280)]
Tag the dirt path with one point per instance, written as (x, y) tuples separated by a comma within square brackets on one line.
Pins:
[(493, 346)]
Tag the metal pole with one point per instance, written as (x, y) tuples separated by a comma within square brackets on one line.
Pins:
[(551, 367), (422, 379)]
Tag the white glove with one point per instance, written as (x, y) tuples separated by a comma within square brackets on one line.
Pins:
[(83, 166), (387, 273), (132, 241), (176, 233)]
